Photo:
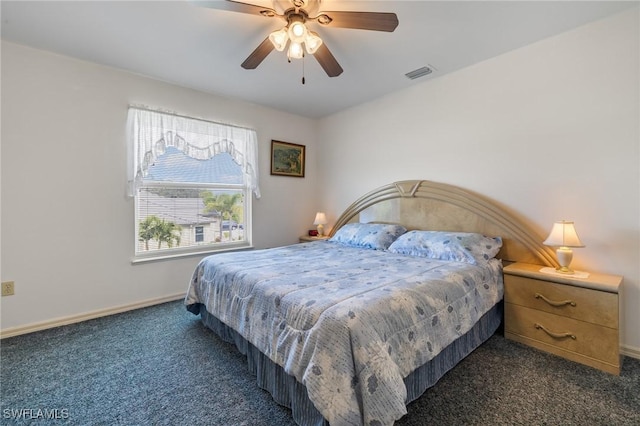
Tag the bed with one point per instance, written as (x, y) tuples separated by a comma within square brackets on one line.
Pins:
[(350, 330)]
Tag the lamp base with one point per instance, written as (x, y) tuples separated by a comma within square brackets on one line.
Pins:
[(564, 270), (565, 256), (320, 229)]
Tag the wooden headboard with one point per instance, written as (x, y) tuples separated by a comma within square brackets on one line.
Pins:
[(425, 205)]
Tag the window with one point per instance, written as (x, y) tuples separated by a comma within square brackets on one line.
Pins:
[(199, 234), (192, 181)]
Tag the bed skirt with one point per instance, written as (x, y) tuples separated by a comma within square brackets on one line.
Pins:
[(287, 391)]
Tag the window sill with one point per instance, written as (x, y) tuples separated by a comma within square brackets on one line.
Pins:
[(176, 255)]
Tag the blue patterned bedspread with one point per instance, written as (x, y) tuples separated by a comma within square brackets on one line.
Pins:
[(348, 323)]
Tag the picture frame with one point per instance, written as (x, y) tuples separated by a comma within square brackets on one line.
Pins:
[(287, 159)]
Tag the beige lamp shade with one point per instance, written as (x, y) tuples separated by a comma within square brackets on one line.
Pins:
[(563, 234), (321, 219)]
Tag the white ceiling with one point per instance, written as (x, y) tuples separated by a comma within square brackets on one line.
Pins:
[(202, 48)]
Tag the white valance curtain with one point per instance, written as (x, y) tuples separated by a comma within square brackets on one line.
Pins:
[(151, 132)]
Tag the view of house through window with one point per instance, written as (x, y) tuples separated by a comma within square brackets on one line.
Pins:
[(184, 202), (192, 181)]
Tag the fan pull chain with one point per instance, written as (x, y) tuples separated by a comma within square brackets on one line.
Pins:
[(303, 56)]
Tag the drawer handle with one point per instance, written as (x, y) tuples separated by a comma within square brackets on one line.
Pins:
[(555, 335), (554, 303)]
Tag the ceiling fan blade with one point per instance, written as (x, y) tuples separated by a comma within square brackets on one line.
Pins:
[(327, 61), (376, 21), (237, 6), (258, 55)]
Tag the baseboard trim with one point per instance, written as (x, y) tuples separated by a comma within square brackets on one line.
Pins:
[(630, 351), (39, 326)]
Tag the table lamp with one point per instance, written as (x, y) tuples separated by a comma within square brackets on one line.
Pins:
[(321, 220), (563, 236)]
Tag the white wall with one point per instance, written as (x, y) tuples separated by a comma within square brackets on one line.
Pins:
[(67, 227), (550, 130)]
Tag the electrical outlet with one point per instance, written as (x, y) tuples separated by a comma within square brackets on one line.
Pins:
[(8, 288)]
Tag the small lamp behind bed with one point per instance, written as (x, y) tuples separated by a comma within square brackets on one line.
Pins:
[(321, 220), (563, 236)]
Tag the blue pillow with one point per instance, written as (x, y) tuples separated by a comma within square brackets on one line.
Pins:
[(376, 236), (466, 247)]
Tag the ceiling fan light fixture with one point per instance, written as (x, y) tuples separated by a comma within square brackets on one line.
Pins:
[(312, 42), (297, 29), (295, 50), (279, 39), (300, 40)]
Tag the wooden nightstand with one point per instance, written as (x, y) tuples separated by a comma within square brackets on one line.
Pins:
[(308, 238), (576, 318)]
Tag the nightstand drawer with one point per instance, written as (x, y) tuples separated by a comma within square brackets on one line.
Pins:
[(584, 304), (579, 337)]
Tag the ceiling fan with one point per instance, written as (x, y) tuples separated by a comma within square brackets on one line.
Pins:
[(295, 33)]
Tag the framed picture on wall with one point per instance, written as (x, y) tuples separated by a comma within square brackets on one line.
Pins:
[(287, 159)]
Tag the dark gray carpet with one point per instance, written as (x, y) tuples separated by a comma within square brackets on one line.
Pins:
[(160, 366)]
